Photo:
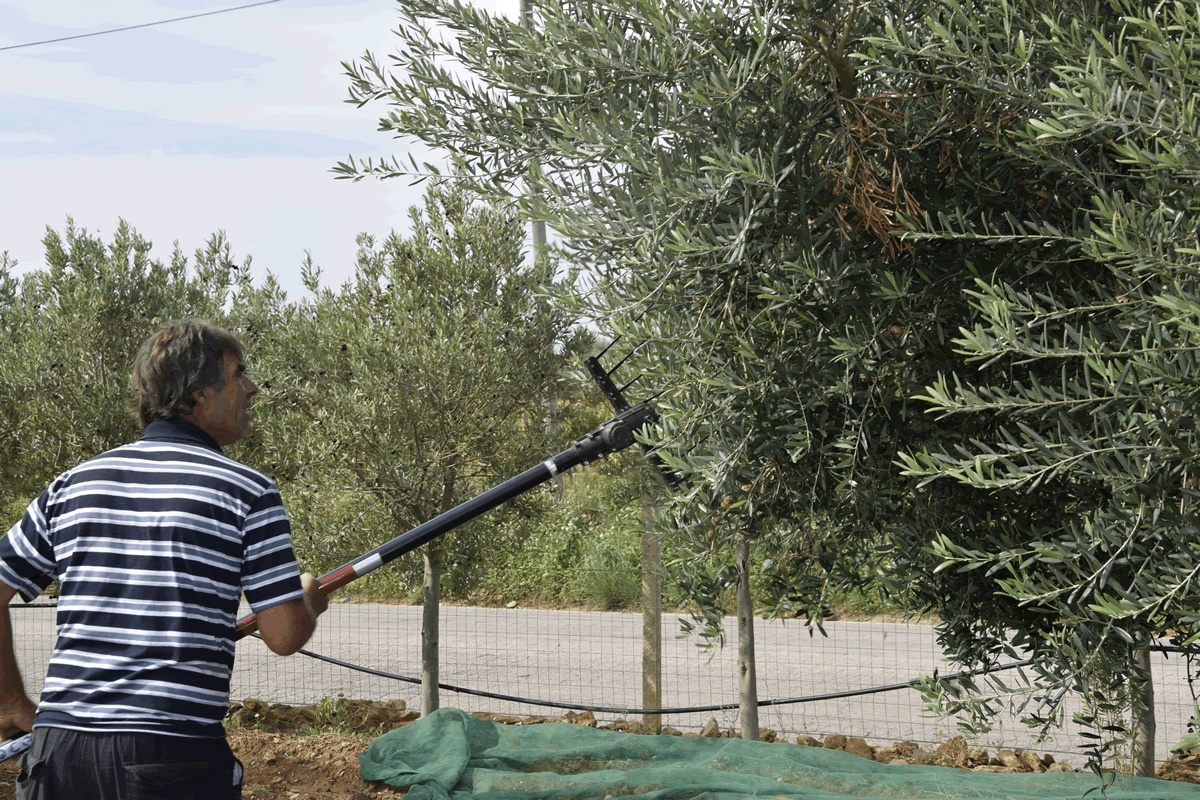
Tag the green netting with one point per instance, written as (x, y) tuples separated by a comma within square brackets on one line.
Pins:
[(451, 755)]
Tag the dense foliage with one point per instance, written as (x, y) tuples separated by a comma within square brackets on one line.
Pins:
[(419, 383), (68, 334), (918, 282), (1066, 525), (383, 402)]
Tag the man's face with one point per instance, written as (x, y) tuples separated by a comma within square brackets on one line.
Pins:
[(224, 413)]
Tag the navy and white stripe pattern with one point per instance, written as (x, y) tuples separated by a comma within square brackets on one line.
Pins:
[(153, 544)]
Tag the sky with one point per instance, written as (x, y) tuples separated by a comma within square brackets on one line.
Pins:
[(229, 122)]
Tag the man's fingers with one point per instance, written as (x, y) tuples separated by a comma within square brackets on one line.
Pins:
[(17, 716), (15, 726), (314, 599)]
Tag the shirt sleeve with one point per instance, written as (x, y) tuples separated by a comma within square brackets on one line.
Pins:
[(26, 554), (270, 574)]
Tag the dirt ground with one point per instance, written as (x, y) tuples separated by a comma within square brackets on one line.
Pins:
[(285, 760), (283, 766), (317, 767)]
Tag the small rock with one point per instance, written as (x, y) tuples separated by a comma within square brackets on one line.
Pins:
[(977, 756), (807, 741), (886, 755), (1060, 766), (585, 718), (374, 718), (860, 748), (1008, 758), (920, 756), (953, 753), (254, 704), (711, 729), (511, 604), (1030, 761), (669, 731), (993, 768), (835, 742)]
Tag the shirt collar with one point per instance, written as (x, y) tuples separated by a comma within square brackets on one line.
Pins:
[(176, 430)]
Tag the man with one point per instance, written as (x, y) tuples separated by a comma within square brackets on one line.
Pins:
[(153, 544)]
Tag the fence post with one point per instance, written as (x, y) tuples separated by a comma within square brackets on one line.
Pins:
[(651, 610), (430, 626)]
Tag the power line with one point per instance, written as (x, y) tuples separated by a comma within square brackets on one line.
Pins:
[(143, 25)]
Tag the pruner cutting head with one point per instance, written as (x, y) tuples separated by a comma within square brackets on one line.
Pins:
[(616, 434), (616, 397)]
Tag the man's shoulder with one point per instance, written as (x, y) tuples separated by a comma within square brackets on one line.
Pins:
[(166, 459)]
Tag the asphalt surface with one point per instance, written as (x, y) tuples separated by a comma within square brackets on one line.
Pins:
[(594, 659)]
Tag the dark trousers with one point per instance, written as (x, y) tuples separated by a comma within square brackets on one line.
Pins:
[(76, 765)]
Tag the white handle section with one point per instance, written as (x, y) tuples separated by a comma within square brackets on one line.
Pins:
[(368, 564), (14, 747)]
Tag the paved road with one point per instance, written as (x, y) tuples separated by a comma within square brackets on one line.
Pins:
[(595, 659)]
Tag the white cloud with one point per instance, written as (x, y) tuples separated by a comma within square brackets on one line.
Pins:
[(26, 137), (229, 122)]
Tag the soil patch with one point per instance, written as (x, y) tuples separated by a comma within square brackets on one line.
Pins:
[(283, 766), (285, 759), (320, 766)]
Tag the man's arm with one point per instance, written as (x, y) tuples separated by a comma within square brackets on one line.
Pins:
[(16, 709), (287, 626)]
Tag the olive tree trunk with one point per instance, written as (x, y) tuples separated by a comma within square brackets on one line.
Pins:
[(747, 673), (430, 601), (651, 611), (1142, 725)]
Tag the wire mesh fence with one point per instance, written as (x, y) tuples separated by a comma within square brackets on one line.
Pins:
[(528, 662)]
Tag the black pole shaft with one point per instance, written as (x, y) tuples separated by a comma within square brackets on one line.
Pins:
[(614, 435)]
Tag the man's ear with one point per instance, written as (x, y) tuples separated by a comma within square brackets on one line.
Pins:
[(200, 400)]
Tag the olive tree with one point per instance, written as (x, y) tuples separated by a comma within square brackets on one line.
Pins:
[(828, 221), (68, 333), (724, 182), (417, 384), (1065, 527)]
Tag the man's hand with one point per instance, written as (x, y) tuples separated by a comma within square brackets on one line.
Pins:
[(315, 601), (16, 716), (286, 627), (16, 709)]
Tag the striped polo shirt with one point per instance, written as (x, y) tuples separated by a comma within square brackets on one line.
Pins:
[(153, 544)]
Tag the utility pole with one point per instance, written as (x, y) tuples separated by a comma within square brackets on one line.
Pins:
[(539, 226), (539, 262)]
